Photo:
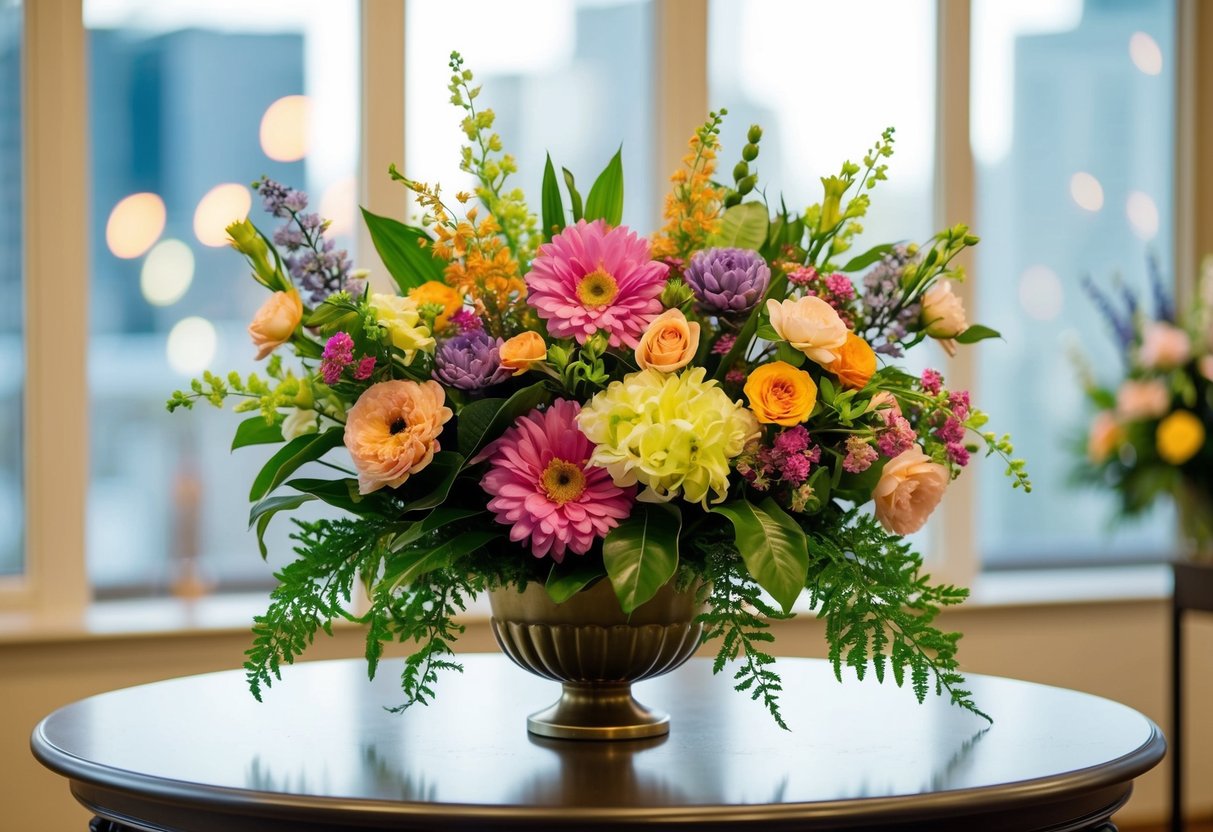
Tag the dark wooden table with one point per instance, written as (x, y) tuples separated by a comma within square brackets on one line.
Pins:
[(1193, 593), (322, 754)]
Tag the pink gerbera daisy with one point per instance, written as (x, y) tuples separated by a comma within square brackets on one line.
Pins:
[(544, 488), (592, 277)]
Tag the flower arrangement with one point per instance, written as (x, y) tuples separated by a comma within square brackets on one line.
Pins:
[(558, 399), (1150, 436)]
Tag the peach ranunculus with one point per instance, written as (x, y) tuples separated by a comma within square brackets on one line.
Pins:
[(781, 394), (669, 343), (435, 291), (810, 325), (522, 351), (275, 322), (1140, 400), (392, 431), (1163, 346), (856, 363), (910, 487), (1104, 437)]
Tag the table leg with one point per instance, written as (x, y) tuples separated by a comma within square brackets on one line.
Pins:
[(104, 825), (1177, 731)]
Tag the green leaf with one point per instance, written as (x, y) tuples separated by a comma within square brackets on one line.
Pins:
[(976, 333), (553, 205), (743, 226), (571, 576), (574, 196), (433, 482), (256, 431), (406, 567), (482, 421), (264, 511), (605, 200), (786, 352), (436, 519), (867, 258), (641, 553), (767, 333), (292, 455), (407, 261), (773, 547), (343, 494)]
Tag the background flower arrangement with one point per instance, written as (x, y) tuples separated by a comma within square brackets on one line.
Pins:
[(558, 399), (1150, 436)]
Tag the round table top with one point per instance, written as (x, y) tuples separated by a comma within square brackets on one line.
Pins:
[(323, 748)]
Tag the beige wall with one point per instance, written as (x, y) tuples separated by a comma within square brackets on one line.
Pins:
[(1117, 650)]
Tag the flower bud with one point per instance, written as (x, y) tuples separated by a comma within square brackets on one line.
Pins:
[(243, 237), (675, 293), (749, 152), (754, 134), (740, 171), (746, 185)]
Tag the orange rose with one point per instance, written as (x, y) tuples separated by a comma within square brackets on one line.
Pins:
[(392, 431), (910, 487), (669, 343), (855, 364), (275, 322), (780, 394), (433, 291), (523, 350)]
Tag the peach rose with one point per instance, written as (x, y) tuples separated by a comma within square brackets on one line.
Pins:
[(910, 487), (780, 394), (810, 325), (523, 350), (1138, 400), (856, 363), (1164, 347), (275, 322), (669, 343), (392, 431), (1105, 436), (943, 313), (1205, 365)]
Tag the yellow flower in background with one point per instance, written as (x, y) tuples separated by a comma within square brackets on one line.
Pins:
[(403, 323), (433, 291), (1179, 437), (781, 394)]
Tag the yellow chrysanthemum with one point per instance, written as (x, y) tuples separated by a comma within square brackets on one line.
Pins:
[(1179, 437), (674, 433)]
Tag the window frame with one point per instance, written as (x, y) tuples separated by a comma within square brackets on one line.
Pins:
[(55, 148)]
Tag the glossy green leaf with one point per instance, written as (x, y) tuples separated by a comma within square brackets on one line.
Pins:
[(405, 567), (482, 421), (400, 248), (264, 511), (256, 431), (976, 333), (436, 519), (343, 494), (641, 553), (773, 546), (571, 576), (299, 451), (767, 333), (574, 196), (605, 200), (553, 205), (866, 259), (787, 353), (743, 226), (432, 483)]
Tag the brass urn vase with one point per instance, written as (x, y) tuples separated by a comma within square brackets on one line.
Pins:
[(596, 651)]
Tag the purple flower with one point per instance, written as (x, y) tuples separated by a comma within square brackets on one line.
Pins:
[(795, 469), (724, 343), (932, 381), (365, 367), (728, 280), (792, 441), (466, 320), (338, 354), (471, 361)]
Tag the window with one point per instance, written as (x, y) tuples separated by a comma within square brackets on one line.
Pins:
[(190, 102), (570, 77), (1073, 118), (12, 358)]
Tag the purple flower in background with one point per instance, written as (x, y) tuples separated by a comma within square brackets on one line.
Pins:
[(887, 321), (728, 280), (471, 361), (466, 320), (315, 264)]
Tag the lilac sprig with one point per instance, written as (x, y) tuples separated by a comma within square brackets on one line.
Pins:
[(315, 264), (887, 319)]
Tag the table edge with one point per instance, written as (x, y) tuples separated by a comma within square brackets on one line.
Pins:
[(1120, 771)]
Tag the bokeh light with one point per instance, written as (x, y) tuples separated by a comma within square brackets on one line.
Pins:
[(284, 128), (1145, 53), (340, 205), (1142, 212), (220, 207), (1086, 191), (135, 223), (1040, 293), (167, 273), (191, 345)]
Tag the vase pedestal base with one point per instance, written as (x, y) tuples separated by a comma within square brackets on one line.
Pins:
[(599, 711)]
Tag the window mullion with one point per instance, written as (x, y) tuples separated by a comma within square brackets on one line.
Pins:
[(55, 116), (681, 94), (955, 554)]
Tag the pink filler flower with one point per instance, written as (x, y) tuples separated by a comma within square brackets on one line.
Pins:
[(592, 277), (543, 487)]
